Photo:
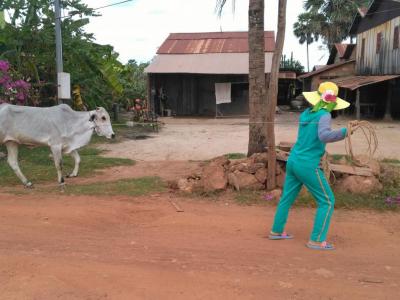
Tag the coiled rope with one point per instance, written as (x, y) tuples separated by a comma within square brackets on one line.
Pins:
[(359, 160), (371, 141)]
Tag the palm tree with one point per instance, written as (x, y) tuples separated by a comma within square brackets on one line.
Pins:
[(304, 29), (262, 93), (257, 91), (331, 19)]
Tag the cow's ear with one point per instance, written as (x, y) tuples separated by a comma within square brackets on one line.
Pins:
[(92, 117), (97, 108)]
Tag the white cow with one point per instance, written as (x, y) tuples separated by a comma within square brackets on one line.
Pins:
[(59, 127)]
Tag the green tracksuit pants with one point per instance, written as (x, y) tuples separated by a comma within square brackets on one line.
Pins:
[(314, 179)]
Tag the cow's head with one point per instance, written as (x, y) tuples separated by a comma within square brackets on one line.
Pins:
[(102, 123)]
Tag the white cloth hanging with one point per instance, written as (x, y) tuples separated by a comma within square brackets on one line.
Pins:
[(223, 92)]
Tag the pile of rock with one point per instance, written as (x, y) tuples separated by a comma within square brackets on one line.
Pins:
[(240, 174), (251, 174), (357, 180)]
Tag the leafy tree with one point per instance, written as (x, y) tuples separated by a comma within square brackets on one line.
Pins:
[(263, 93), (290, 64), (329, 20), (12, 89), (305, 30), (28, 43), (134, 80)]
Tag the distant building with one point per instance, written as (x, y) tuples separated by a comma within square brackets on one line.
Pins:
[(312, 79), (207, 74), (341, 52), (374, 87), (376, 84)]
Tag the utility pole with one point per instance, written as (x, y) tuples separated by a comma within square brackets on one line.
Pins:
[(59, 55)]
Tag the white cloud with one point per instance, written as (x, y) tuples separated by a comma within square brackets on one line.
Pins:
[(136, 29)]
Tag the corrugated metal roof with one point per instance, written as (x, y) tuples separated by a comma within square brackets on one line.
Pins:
[(341, 49), (325, 68), (211, 63), (212, 42), (355, 82), (287, 75)]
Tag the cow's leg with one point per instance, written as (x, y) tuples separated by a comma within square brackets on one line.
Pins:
[(77, 160), (12, 159), (57, 156)]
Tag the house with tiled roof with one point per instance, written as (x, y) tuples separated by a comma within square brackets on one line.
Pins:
[(204, 73)]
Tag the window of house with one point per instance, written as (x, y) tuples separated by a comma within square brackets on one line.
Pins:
[(362, 48), (396, 38), (378, 42)]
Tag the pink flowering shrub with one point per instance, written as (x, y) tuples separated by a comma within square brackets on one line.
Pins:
[(11, 90)]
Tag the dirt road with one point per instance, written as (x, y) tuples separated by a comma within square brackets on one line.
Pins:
[(199, 139), (60, 247)]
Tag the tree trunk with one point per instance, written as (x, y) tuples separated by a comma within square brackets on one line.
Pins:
[(272, 94), (308, 59), (257, 91)]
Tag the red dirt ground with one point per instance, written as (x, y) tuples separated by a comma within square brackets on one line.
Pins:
[(64, 247)]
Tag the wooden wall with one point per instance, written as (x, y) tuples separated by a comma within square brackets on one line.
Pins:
[(387, 61), (340, 71), (194, 94)]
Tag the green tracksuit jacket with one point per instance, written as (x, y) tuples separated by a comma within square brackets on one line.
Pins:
[(303, 168)]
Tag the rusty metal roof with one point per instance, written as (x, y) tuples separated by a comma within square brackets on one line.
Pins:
[(209, 63), (212, 42), (355, 82), (325, 68), (287, 75), (341, 49)]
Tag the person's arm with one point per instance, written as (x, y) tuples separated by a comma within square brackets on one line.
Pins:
[(326, 134)]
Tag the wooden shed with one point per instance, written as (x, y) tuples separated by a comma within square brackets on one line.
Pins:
[(312, 79), (341, 53), (371, 82), (377, 80), (205, 74)]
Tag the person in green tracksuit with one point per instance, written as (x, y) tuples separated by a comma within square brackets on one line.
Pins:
[(303, 165)]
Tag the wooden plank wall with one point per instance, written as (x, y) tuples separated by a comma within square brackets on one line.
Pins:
[(387, 61)]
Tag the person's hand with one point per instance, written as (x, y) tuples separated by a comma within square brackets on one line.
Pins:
[(352, 127)]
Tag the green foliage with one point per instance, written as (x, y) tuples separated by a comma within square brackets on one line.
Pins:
[(28, 43), (129, 187), (134, 82), (249, 197), (391, 160), (235, 155), (290, 64), (39, 167), (326, 19)]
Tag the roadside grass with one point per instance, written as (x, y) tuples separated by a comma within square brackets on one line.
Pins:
[(235, 155), (120, 131), (39, 167), (391, 161), (375, 201), (128, 187), (249, 197)]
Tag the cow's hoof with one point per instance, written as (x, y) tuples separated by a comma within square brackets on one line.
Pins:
[(71, 176), (29, 185)]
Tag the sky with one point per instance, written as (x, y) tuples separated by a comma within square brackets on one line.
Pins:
[(137, 28)]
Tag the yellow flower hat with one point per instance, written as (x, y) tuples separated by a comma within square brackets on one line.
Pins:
[(327, 91)]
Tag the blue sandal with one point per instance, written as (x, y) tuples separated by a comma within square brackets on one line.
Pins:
[(280, 236), (322, 246)]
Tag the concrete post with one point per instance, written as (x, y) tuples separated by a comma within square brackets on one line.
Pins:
[(59, 55)]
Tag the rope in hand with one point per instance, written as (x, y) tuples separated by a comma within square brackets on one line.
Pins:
[(358, 160), (371, 139)]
